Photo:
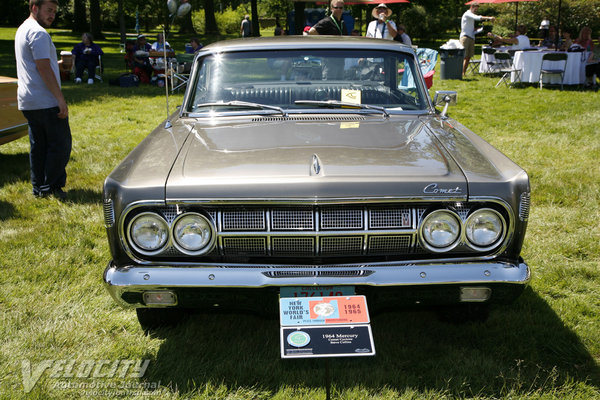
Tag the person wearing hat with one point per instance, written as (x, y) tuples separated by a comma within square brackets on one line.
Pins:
[(382, 27), (141, 64), (332, 24)]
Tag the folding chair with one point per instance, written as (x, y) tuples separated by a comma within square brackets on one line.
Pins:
[(177, 72), (99, 69), (473, 66), (553, 64), (506, 68), (490, 60)]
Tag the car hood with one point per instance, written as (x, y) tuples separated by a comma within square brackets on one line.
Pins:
[(314, 159)]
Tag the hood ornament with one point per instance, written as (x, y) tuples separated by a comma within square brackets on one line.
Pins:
[(315, 168)]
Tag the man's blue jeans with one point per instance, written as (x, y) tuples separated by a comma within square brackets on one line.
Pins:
[(50, 141)]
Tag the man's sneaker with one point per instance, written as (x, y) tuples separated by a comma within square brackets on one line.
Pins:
[(90, 81), (77, 80), (59, 194)]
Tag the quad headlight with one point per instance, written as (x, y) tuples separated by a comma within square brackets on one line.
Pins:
[(440, 230), (193, 233), (148, 232), (484, 228)]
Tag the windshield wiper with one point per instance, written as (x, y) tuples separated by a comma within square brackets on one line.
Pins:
[(246, 104), (341, 104)]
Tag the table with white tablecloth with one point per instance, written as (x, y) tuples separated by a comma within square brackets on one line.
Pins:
[(530, 63), (484, 67), (487, 58)]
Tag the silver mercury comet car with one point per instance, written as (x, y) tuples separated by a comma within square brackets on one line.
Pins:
[(313, 166)]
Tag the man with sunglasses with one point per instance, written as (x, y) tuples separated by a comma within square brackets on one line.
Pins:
[(333, 24)]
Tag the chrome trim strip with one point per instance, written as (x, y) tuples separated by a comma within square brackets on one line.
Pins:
[(316, 202), (143, 278)]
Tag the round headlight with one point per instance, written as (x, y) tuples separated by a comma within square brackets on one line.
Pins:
[(149, 232), (484, 227), (193, 233), (440, 230)]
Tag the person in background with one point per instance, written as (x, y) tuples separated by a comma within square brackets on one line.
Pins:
[(160, 43), (246, 27), (195, 46), (279, 31), (519, 42), (141, 63), (86, 55), (550, 40), (332, 24), (382, 27), (567, 42), (305, 31), (468, 32), (402, 36), (585, 39), (544, 28), (40, 98)]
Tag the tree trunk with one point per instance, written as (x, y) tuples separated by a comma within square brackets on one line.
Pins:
[(210, 22), (299, 17), (122, 27), (95, 22), (79, 18), (186, 25), (255, 24)]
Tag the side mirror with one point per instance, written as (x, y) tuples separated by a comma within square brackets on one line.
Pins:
[(445, 97)]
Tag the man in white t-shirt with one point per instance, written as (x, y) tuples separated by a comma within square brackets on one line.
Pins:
[(468, 32), (382, 27), (519, 42), (40, 99)]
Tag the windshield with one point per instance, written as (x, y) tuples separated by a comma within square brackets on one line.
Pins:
[(306, 79)]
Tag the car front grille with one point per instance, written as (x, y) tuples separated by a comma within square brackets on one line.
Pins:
[(308, 231)]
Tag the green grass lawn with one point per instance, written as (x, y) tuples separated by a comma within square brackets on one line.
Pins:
[(53, 305)]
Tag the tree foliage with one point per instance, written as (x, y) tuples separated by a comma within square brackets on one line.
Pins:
[(424, 19)]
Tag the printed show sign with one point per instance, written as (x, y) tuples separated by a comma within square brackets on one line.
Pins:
[(323, 310), (327, 341)]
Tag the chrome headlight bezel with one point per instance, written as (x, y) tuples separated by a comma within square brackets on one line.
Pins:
[(470, 240), (426, 239), (208, 243), (134, 241)]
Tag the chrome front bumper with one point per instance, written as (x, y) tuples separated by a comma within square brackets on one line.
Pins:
[(138, 279)]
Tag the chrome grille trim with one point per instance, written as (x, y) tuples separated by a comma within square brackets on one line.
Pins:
[(390, 218), (245, 220), (109, 213), (341, 218), (301, 219), (524, 205), (318, 273)]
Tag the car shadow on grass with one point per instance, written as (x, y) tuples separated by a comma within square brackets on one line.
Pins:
[(14, 167), (522, 348)]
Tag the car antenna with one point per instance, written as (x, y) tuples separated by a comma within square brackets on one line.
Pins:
[(168, 123)]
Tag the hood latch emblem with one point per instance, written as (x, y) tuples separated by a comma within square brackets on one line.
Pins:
[(315, 168)]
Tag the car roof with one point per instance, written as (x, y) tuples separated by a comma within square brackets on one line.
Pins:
[(310, 41)]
